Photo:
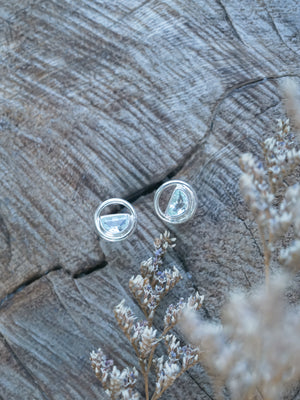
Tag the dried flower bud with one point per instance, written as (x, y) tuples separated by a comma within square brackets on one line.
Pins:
[(290, 257), (173, 313), (114, 381), (147, 341), (166, 373), (124, 317), (147, 268), (281, 156)]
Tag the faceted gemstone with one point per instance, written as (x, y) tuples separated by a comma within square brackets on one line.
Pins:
[(178, 203), (115, 223)]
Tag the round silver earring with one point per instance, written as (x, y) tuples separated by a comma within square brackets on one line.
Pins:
[(115, 227), (182, 202)]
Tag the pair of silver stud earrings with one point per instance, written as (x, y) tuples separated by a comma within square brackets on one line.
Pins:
[(181, 206)]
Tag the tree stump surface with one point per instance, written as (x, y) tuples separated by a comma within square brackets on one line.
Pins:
[(111, 99)]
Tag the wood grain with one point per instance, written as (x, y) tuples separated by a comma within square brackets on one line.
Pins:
[(110, 99)]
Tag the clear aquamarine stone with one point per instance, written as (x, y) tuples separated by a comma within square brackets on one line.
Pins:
[(115, 223), (178, 203)]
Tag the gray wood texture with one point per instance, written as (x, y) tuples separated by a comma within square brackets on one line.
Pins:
[(107, 99)]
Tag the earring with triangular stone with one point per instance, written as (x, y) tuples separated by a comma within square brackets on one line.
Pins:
[(181, 205)]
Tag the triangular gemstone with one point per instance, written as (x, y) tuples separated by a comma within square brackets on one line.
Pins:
[(178, 203), (115, 223)]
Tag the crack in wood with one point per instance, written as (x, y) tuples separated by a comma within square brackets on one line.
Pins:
[(28, 283), (90, 270), (277, 30), (230, 23), (5, 232), (241, 86), (267, 109), (253, 238), (132, 198), (78, 275), (154, 186), (201, 388)]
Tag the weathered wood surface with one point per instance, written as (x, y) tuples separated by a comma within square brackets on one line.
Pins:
[(105, 99)]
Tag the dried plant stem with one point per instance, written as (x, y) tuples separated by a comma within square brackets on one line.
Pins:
[(148, 370), (134, 347), (146, 374), (146, 378)]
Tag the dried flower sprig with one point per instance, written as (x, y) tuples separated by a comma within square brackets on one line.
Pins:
[(260, 183), (256, 351), (281, 156), (148, 288), (117, 384), (179, 359)]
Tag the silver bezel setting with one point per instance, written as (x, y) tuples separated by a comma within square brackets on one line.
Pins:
[(187, 190), (115, 237)]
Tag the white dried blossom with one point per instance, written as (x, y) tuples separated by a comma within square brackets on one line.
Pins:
[(161, 245), (254, 187), (137, 283), (195, 301), (187, 354), (290, 257), (170, 370), (165, 237), (292, 199), (148, 291), (174, 312), (148, 339), (147, 296), (165, 280), (281, 156), (277, 224), (148, 268), (138, 329), (115, 382), (166, 373), (125, 317), (287, 214)]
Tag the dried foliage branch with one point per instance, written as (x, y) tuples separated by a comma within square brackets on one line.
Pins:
[(260, 183), (255, 351), (148, 288)]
